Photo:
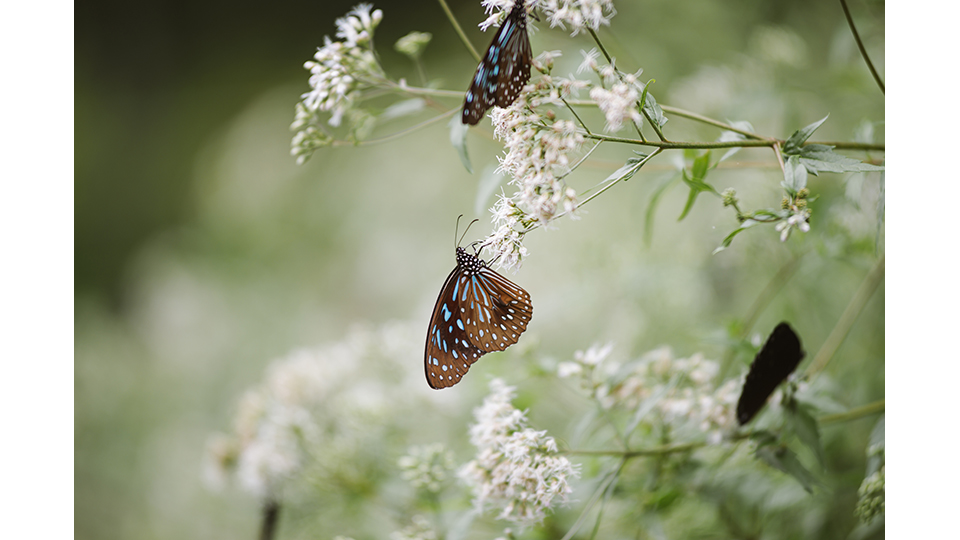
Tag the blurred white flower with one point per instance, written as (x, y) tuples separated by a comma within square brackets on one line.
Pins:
[(305, 412), (594, 355), (421, 529), (337, 73), (426, 467), (569, 369), (517, 469)]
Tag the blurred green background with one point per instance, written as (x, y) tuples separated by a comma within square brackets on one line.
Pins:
[(203, 252)]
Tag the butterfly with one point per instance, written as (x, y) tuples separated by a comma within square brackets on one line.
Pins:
[(777, 359), (478, 311), (504, 69)]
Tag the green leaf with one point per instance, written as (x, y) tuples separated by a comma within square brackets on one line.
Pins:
[(458, 138), (403, 108), (726, 241), (730, 136), (695, 181), (804, 425), (794, 176), (793, 144), (783, 459), (652, 208), (651, 108), (821, 158), (629, 169)]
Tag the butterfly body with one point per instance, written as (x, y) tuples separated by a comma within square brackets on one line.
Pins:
[(779, 356), (503, 71), (478, 311)]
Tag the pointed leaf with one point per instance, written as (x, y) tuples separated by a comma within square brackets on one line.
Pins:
[(730, 136), (821, 158), (458, 138), (403, 108), (794, 176), (726, 241), (627, 171), (651, 108), (793, 144), (652, 208), (804, 425), (783, 459)]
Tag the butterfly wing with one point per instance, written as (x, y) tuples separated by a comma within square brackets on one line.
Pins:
[(515, 60), (498, 310), (448, 354), (777, 359), (508, 53)]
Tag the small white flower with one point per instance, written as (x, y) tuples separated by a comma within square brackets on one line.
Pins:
[(619, 104), (589, 61), (421, 529), (578, 14), (426, 467), (569, 369), (516, 469), (594, 355), (799, 219)]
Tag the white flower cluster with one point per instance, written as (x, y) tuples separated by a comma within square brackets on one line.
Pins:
[(426, 467), (799, 219), (578, 14), (537, 157), (619, 104), (683, 388), (305, 409), (516, 469), (337, 72), (420, 529)]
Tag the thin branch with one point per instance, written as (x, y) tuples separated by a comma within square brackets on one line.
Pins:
[(397, 135), (854, 414), (456, 26), (271, 513), (841, 145), (593, 500), (666, 145), (628, 454), (863, 50), (582, 124), (683, 113), (654, 125), (849, 316), (769, 292)]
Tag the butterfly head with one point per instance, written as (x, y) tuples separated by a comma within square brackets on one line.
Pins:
[(470, 264)]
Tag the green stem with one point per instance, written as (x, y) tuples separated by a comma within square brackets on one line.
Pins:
[(271, 513), (854, 414), (710, 121), (667, 145), (456, 26), (849, 316), (863, 50), (654, 125), (769, 292), (397, 135), (575, 115), (628, 454)]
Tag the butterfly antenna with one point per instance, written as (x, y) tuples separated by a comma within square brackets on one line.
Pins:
[(456, 231), (467, 229)]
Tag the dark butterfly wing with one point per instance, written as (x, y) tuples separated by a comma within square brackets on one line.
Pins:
[(448, 353), (498, 313), (515, 61), (777, 359), (503, 70)]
